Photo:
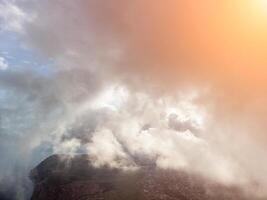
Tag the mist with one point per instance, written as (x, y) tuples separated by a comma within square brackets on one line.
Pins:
[(180, 83)]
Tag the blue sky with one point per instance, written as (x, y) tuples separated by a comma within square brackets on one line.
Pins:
[(20, 57), (19, 115)]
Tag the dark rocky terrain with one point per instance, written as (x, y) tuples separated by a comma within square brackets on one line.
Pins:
[(75, 179)]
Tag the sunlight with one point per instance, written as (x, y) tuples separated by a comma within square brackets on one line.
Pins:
[(257, 10)]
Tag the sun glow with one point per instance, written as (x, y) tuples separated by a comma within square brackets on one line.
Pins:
[(256, 10), (262, 4)]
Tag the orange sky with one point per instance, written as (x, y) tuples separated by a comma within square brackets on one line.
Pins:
[(221, 41), (217, 33)]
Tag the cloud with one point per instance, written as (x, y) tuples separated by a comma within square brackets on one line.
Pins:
[(3, 64), (171, 82), (12, 17), (167, 147)]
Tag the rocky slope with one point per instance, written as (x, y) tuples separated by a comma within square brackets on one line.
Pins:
[(75, 179)]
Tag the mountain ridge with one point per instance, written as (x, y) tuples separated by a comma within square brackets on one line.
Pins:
[(60, 177)]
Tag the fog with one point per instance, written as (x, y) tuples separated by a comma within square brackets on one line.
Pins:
[(181, 83)]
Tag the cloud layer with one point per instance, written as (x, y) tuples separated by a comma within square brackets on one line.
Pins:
[(180, 83)]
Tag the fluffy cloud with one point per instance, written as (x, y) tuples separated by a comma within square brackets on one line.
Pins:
[(12, 17), (3, 64)]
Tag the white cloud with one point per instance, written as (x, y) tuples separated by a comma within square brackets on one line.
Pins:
[(121, 135), (12, 17), (106, 150), (3, 64)]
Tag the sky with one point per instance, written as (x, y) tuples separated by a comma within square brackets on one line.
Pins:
[(181, 83)]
